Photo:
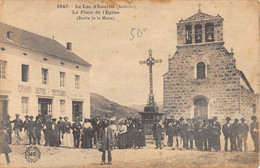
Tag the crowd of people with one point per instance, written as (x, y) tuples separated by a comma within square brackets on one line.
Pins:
[(205, 134), (106, 134), (129, 133)]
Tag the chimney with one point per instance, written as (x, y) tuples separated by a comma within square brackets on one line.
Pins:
[(69, 46), (9, 35)]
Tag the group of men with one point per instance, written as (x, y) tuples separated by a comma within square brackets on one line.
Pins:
[(55, 133), (206, 134), (128, 134)]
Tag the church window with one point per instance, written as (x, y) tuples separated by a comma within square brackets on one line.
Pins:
[(188, 34), (201, 70), (209, 33), (198, 33)]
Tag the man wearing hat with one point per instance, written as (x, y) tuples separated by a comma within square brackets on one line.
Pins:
[(216, 127), (234, 135), (180, 132), (31, 131), (226, 129), (18, 126), (254, 130), (189, 134), (157, 134), (8, 127), (61, 128), (113, 127), (105, 137), (38, 129), (198, 125), (96, 123), (242, 134), (25, 126), (76, 127), (129, 133)]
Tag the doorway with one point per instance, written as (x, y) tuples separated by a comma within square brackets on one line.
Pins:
[(3, 107), (45, 106), (77, 110), (201, 108)]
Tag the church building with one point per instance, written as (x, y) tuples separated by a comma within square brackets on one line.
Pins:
[(38, 75), (202, 78)]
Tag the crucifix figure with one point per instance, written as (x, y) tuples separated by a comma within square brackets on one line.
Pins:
[(150, 62)]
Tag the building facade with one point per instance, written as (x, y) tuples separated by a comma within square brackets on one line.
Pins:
[(202, 78), (40, 76)]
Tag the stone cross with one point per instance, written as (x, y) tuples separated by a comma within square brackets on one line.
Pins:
[(150, 62)]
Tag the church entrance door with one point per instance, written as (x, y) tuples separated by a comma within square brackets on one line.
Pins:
[(201, 108)]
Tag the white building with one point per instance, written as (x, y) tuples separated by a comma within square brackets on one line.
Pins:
[(40, 76)]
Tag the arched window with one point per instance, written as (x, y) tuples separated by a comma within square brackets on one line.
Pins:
[(188, 34), (198, 33), (209, 32), (201, 70)]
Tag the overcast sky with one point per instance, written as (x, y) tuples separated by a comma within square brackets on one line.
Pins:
[(116, 73)]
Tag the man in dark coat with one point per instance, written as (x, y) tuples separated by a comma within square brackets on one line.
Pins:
[(38, 129), (242, 134), (234, 135), (205, 134), (216, 127), (76, 127), (18, 126), (198, 125), (25, 128), (129, 136), (8, 128), (105, 136), (134, 133), (180, 132), (157, 134), (96, 123), (189, 134), (254, 130), (226, 129), (61, 128), (54, 134), (141, 134), (31, 131)]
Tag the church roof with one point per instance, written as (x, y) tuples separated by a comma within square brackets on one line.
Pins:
[(200, 16), (38, 43), (242, 75)]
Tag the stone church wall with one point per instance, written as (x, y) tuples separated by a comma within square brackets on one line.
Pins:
[(221, 87)]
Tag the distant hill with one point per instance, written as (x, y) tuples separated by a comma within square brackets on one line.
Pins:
[(100, 106), (140, 107)]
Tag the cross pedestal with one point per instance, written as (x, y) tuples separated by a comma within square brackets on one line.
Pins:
[(149, 117)]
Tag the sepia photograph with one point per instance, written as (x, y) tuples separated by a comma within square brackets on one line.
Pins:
[(129, 83)]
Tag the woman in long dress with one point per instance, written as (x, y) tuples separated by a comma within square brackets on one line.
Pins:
[(87, 134), (68, 141), (122, 129)]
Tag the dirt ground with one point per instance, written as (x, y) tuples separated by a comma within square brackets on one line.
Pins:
[(140, 158)]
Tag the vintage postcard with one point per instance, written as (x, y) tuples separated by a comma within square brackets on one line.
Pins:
[(129, 83)]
